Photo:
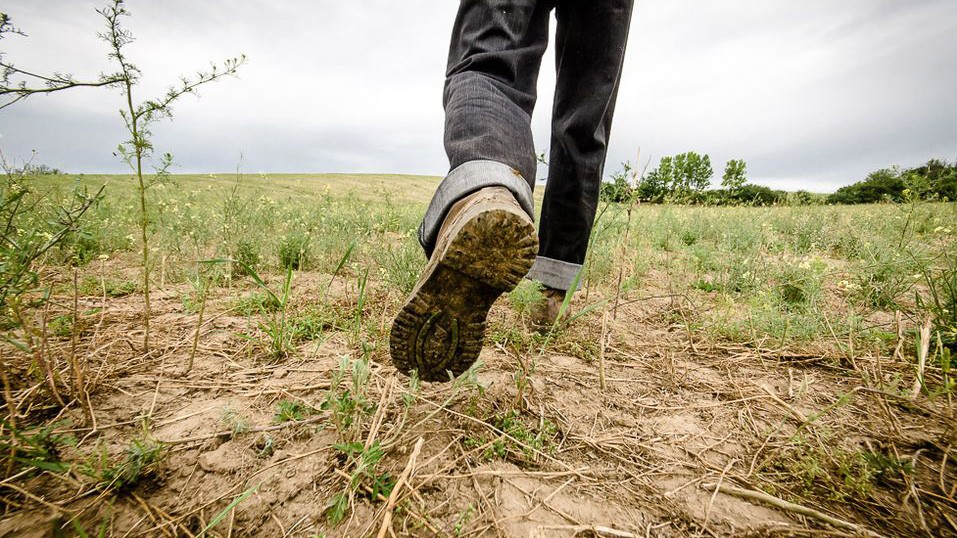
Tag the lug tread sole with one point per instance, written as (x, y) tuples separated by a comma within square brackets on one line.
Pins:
[(441, 328)]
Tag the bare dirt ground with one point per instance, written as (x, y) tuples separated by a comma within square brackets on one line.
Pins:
[(631, 425)]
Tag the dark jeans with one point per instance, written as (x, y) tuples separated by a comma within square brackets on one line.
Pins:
[(490, 91)]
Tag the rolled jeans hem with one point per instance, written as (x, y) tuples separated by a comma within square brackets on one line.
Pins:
[(462, 181), (555, 274)]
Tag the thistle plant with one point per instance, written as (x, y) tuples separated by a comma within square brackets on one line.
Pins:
[(138, 150)]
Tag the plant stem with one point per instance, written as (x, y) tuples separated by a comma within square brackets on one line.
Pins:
[(36, 349), (79, 387), (12, 409), (144, 222), (199, 326)]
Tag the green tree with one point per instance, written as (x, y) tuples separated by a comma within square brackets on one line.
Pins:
[(941, 178), (693, 173), (657, 184), (886, 184), (678, 178), (735, 174), (754, 195), (934, 180)]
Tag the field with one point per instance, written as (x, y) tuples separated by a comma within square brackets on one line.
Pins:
[(732, 371)]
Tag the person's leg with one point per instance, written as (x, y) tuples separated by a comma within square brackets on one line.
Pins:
[(478, 230), (494, 60), (590, 49)]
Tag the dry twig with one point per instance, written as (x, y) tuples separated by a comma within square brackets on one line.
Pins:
[(394, 496), (760, 496)]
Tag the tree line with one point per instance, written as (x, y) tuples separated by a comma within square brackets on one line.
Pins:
[(935, 180), (686, 178)]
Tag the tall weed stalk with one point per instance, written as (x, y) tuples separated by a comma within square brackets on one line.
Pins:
[(138, 119)]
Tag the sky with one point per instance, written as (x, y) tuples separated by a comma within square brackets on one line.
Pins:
[(812, 94)]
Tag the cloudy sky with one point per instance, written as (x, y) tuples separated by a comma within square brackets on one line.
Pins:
[(812, 94)]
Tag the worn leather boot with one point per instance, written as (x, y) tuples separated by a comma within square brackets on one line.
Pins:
[(486, 245), (544, 314)]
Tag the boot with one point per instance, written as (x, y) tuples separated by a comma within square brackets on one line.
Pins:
[(486, 245), (544, 313)]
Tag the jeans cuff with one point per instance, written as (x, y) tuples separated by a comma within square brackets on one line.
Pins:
[(555, 274), (462, 181)]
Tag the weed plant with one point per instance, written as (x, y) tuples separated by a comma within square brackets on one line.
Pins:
[(137, 152), (39, 448), (348, 402), (234, 421), (277, 330), (523, 442), (364, 463), (292, 411), (140, 460)]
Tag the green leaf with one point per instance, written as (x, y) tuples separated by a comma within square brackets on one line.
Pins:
[(52, 466), (345, 257), (337, 508), (225, 512), (349, 449)]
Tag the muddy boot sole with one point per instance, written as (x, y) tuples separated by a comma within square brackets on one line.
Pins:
[(441, 328)]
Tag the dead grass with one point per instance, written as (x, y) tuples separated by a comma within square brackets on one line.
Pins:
[(691, 436)]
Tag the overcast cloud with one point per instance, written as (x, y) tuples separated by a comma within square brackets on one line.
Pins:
[(813, 94)]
